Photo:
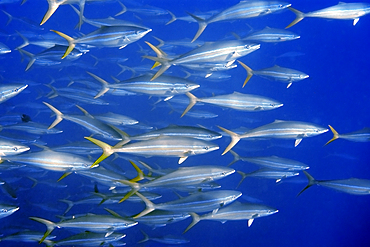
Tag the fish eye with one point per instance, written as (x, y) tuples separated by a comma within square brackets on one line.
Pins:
[(206, 148), (15, 90), (187, 85), (4, 210), (126, 224), (15, 149)]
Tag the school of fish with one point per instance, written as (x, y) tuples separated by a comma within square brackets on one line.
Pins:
[(126, 173)]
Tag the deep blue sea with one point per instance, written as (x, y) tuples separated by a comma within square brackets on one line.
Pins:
[(334, 53)]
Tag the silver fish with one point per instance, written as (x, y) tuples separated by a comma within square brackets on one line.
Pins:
[(341, 11), (210, 52), (278, 129), (276, 73), (353, 186), (10, 90), (362, 135), (198, 202), (237, 101), (162, 146), (235, 211), (242, 10)]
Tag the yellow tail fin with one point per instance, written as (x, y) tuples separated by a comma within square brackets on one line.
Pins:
[(335, 135)]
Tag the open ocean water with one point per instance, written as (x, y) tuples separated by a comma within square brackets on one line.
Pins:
[(334, 53)]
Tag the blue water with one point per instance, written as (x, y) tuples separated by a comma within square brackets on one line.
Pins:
[(333, 52)]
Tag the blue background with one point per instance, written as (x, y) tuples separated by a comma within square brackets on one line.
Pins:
[(333, 52)]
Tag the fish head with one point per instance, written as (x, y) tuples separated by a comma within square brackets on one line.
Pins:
[(6, 210), (219, 172), (201, 147), (228, 196), (276, 6), (315, 130), (247, 48)]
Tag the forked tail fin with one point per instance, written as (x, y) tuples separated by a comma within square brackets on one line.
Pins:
[(202, 25), (311, 181), (249, 72), (192, 101), (298, 18), (49, 225), (196, 219), (335, 135), (107, 150), (234, 139)]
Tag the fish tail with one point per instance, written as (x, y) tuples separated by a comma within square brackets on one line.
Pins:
[(335, 135), (107, 150), (30, 56), (202, 25), (69, 203), (53, 6), (236, 157), (244, 175), (234, 139), (49, 225), (105, 85), (173, 18), (196, 219), (124, 9), (140, 174), (311, 181), (59, 115), (71, 44), (135, 187), (25, 41), (298, 18), (149, 206), (9, 16), (249, 72), (146, 237), (192, 101)]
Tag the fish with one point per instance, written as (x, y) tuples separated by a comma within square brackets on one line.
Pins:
[(272, 35), (235, 211), (167, 146), (276, 73), (8, 147), (32, 128), (341, 11), (106, 36), (159, 218), (181, 177), (91, 222), (167, 239), (4, 49), (210, 52), (116, 119), (242, 10), (197, 202), (277, 175), (272, 162), (166, 86), (9, 90), (237, 101), (53, 161), (180, 131), (7, 210), (50, 56), (278, 129), (362, 135), (88, 239), (87, 121), (354, 186)]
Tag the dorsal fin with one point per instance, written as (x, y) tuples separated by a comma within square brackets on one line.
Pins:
[(84, 111)]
